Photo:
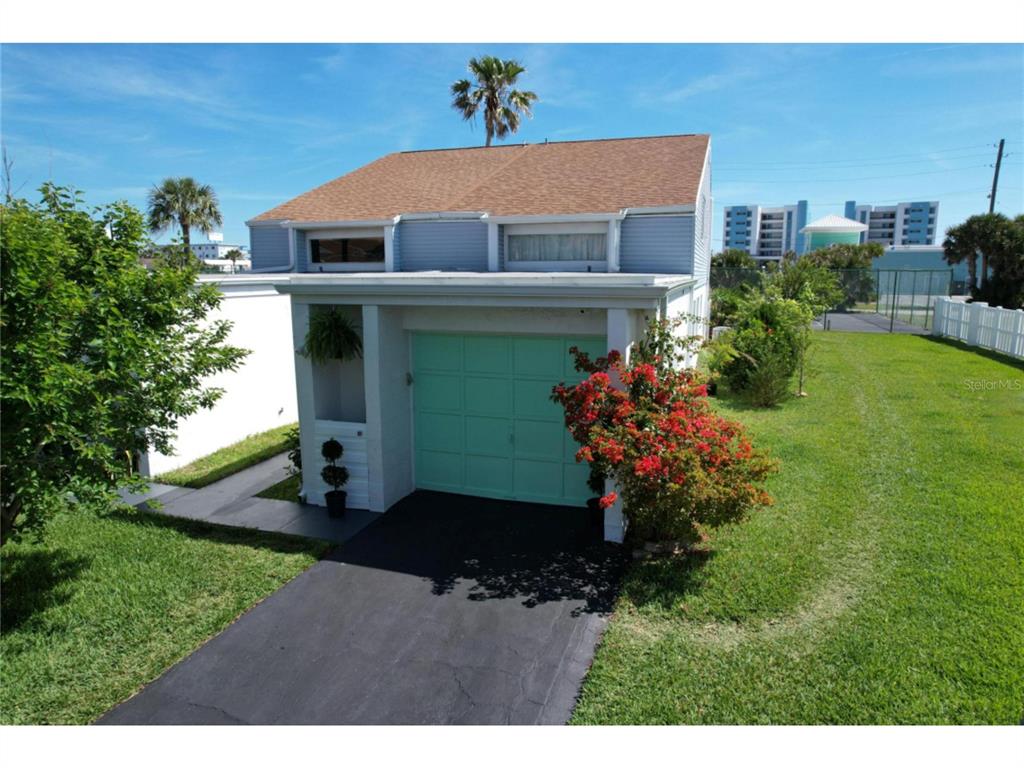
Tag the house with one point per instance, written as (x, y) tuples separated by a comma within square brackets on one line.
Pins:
[(471, 272), (217, 251)]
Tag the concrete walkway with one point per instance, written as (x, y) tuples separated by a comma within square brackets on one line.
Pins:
[(232, 502)]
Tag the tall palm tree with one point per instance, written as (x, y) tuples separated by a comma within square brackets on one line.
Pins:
[(184, 202), (494, 91)]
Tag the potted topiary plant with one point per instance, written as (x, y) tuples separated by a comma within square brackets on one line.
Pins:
[(335, 476)]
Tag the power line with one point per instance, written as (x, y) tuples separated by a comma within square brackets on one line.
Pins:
[(851, 178), (796, 166), (925, 196), (877, 157)]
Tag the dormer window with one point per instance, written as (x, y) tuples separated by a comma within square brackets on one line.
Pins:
[(347, 250)]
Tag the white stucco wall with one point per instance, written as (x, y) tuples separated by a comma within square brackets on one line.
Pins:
[(260, 394)]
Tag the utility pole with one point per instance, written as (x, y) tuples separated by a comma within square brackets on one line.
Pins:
[(995, 178)]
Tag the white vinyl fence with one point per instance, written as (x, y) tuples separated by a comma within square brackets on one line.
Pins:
[(978, 324)]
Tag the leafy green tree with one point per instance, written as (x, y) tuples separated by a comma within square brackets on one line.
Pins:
[(101, 356), (184, 203), (999, 240), (734, 258), (846, 256), (805, 280), (492, 89)]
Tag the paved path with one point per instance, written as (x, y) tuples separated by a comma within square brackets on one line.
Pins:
[(231, 501), (448, 609)]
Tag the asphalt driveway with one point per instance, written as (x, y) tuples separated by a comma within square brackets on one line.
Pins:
[(448, 609)]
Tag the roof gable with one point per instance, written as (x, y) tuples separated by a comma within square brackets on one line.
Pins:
[(512, 180)]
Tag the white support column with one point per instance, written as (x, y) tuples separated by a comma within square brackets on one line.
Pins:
[(306, 401), (389, 248), (492, 247), (372, 385), (612, 241), (620, 337)]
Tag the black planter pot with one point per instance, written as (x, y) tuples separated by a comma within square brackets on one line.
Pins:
[(595, 515), (336, 502)]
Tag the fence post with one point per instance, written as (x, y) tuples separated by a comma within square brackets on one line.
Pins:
[(938, 314), (895, 295)]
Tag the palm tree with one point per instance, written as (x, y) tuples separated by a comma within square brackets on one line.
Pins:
[(234, 254), (984, 234), (186, 203), (494, 91)]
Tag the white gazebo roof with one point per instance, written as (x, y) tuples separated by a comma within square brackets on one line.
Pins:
[(833, 223)]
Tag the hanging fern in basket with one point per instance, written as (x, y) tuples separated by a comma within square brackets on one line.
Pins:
[(331, 336)]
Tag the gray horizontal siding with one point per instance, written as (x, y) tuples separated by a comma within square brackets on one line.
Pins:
[(501, 247), (396, 249), (450, 245), (268, 246), (301, 251), (659, 244)]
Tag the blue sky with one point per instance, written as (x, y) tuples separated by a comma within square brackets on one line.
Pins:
[(263, 123)]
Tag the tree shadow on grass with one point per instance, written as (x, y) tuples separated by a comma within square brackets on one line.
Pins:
[(34, 580), (198, 529), (664, 582), (738, 401), (998, 357)]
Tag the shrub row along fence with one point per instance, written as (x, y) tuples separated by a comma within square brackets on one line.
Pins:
[(898, 295), (978, 324)]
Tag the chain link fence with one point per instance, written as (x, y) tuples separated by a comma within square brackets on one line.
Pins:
[(885, 299)]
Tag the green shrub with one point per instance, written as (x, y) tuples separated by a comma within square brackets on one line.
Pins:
[(725, 302), (767, 339)]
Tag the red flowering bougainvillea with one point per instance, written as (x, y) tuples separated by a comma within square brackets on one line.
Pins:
[(679, 467)]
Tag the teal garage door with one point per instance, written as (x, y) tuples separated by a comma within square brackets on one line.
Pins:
[(485, 424)]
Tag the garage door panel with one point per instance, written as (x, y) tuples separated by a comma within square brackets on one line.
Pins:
[(569, 446), (488, 436), (488, 395), (487, 354), (538, 480), (439, 470), (595, 348), (575, 482), (539, 440), (488, 476), (437, 352), (541, 357), (532, 400), (438, 392), (485, 423), (439, 432)]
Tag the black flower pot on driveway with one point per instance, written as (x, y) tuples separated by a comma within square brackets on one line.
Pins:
[(336, 501), (335, 476)]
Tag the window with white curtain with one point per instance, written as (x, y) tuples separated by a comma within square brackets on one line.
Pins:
[(557, 247)]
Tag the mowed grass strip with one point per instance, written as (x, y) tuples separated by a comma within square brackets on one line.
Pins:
[(286, 490), (230, 459), (885, 585), (107, 602)]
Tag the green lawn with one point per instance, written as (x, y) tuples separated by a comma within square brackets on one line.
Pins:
[(108, 602), (233, 458), (286, 490), (886, 585)]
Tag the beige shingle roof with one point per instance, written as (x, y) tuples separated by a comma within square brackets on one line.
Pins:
[(519, 180)]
